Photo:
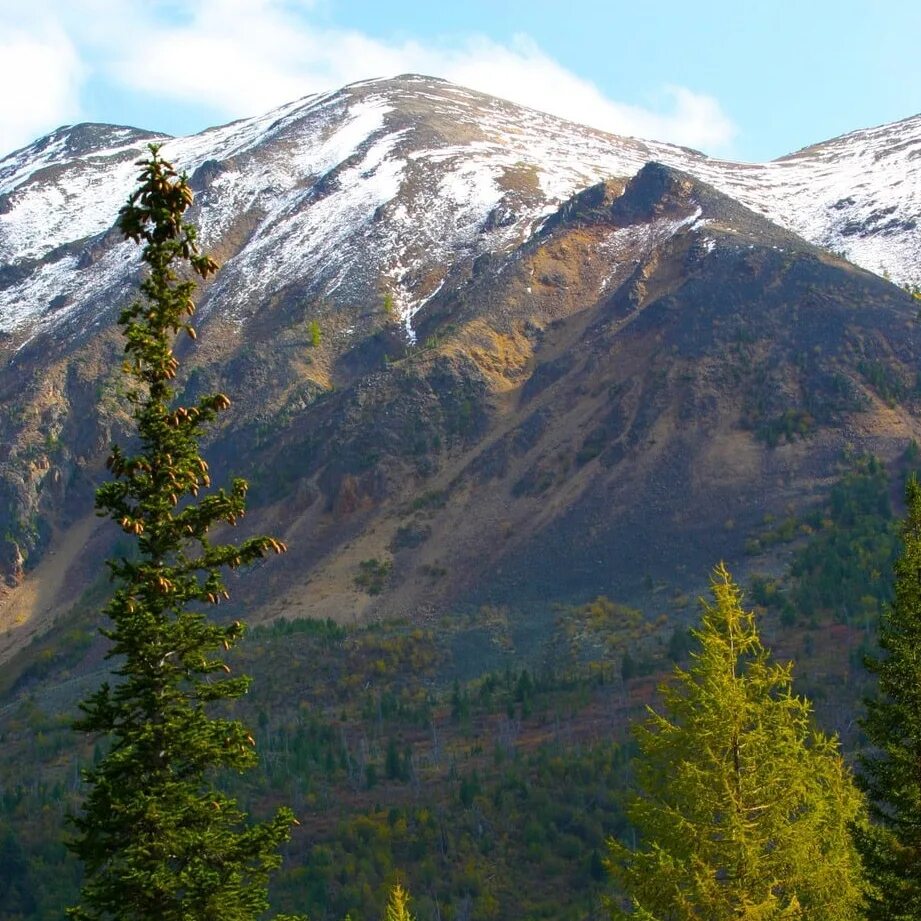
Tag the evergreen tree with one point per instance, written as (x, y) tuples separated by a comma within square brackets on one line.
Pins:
[(744, 807), (891, 772), (398, 905), (17, 891), (157, 839)]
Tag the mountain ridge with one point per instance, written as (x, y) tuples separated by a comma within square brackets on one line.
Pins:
[(536, 325), (470, 195)]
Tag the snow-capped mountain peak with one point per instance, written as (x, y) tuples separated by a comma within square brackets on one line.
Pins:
[(383, 186)]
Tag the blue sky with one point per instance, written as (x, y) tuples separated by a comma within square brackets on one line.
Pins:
[(743, 79)]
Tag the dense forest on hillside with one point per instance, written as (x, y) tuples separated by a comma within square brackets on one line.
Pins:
[(488, 791)]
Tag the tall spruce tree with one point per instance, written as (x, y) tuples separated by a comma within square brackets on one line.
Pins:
[(157, 838), (743, 806), (891, 770)]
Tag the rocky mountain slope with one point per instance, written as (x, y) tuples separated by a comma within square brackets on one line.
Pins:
[(551, 362)]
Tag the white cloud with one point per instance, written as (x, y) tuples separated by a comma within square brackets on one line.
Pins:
[(40, 73), (243, 57), (524, 74)]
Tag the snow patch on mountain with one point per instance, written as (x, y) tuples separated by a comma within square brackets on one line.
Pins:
[(858, 195), (62, 202), (385, 184), (311, 235)]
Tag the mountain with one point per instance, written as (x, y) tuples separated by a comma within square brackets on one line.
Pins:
[(552, 362)]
